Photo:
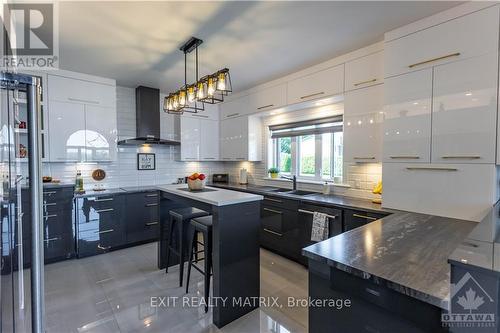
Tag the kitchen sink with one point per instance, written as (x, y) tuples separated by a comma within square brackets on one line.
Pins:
[(300, 192), (281, 190)]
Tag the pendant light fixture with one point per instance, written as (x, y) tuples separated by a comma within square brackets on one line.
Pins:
[(209, 89)]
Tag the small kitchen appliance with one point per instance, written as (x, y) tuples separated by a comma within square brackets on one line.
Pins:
[(220, 178)]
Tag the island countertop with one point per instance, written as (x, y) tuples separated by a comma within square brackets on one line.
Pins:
[(407, 250), (211, 195)]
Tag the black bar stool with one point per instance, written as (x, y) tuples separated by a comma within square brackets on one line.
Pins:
[(201, 225), (179, 217)]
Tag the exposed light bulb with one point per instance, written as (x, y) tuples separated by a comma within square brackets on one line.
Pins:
[(191, 94), (199, 91), (221, 82), (182, 97), (210, 87), (175, 102), (169, 103)]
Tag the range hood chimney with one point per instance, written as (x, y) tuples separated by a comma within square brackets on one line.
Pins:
[(147, 115)]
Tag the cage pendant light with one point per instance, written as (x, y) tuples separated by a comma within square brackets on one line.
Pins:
[(209, 89)]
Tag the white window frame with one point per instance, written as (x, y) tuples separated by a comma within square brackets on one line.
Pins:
[(295, 154)]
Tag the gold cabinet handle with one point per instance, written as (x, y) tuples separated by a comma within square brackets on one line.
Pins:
[(312, 95), (265, 106), (404, 157), (272, 211), (456, 54), (364, 158), (365, 217), (312, 213), (273, 232), (430, 169), (364, 82), (461, 157)]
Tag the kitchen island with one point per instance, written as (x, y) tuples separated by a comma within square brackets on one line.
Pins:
[(236, 263), (394, 271)]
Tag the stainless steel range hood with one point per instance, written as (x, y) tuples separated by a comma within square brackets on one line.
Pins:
[(147, 111)]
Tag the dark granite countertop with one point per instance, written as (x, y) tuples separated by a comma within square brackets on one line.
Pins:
[(315, 198), (408, 250)]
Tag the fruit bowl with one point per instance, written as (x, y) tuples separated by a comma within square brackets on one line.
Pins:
[(196, 185), (196, 182)]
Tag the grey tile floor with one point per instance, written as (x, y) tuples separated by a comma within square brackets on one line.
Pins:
[(112, 293)]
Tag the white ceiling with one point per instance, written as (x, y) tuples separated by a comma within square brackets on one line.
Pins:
[(137, 43)]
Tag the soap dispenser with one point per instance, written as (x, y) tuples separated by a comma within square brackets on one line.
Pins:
[(326, 188)]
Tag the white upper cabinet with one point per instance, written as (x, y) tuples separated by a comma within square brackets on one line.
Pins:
[(241, 139), (100, 133), (461, 191), (465, 110), (321, 84), (407, 123), (190, 139), (464, 37), (82, 120), (267, 99), (209, 140), (235, 108), (363, 118), (199, 139), (73, 90), (67, 140), (365, 71)]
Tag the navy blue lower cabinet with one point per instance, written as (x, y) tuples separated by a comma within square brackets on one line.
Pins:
[(279, 230), (356, 218), (306, 212), (142, 217), (99, 224), (372, 307), (58, 225)]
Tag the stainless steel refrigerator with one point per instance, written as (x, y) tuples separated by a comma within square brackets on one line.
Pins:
[(21, 279)]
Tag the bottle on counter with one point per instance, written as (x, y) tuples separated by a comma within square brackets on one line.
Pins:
[(79, 182)]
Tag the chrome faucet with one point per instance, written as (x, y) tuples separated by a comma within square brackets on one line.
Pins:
[(293, 179)]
